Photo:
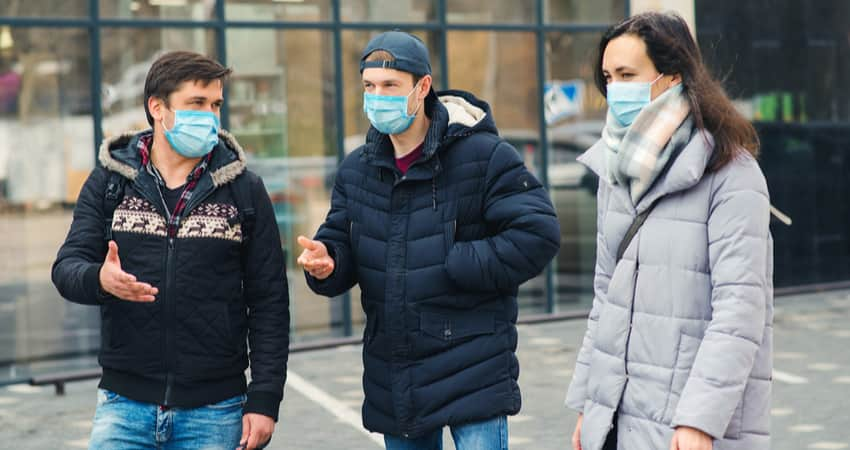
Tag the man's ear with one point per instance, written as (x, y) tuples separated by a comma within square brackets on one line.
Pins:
[(425, 86), (156, 107)]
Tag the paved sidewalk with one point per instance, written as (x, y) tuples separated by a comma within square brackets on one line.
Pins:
[(323, 396)]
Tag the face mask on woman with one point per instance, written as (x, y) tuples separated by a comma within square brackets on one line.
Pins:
[(627, 99)]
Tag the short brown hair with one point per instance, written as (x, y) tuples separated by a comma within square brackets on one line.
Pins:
[(173, 68), (382, 55)]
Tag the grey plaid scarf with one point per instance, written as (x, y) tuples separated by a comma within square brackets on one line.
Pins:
[(637, 154)]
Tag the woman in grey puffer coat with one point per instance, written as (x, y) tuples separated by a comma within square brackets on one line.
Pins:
[(678, 349)]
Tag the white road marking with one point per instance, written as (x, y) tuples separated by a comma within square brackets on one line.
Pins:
[(332, 405), (788, 378)]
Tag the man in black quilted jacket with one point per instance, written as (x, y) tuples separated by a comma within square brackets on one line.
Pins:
[(439, 222), (176, 242)]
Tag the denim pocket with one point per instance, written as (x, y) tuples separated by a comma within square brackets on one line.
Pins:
[(105, 396)]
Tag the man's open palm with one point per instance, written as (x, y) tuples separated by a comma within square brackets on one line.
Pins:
[(122, 284)]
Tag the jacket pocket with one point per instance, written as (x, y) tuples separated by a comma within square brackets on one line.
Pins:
[(686, 353), (457, 326)]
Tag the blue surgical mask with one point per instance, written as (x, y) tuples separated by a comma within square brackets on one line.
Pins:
[(627, 99), (195, 133), (388, 113)]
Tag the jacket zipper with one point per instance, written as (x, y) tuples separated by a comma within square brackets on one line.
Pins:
[(170, 311)]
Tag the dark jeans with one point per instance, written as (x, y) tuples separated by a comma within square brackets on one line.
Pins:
[(611, 440)]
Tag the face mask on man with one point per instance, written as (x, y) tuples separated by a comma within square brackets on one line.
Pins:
[(194, 134), (388, 113), (627, 99)]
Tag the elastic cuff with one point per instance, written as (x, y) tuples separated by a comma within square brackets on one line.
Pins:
[(262, 402), (91, 281)]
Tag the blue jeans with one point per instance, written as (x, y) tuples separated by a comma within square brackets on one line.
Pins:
[(121, 423), (488, 435)]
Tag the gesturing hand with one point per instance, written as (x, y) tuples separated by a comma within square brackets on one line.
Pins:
[(315, 258), (122, 284)]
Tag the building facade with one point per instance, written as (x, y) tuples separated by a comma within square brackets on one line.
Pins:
[(72, 73)]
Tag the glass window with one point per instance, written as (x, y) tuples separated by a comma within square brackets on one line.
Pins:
[(158, 9), (353, 43), (127, 54), (802, 114), (575, 115), (490, 11), (272, 10), (46, 153), (44, 8), (392, 11), (584, 11), (282, 111)]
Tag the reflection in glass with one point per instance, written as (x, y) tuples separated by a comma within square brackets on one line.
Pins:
[(46, 153), (584, 11), (490, 11), (44, 8), (275, 10), (158, 9), (127, 54), (392, 11), (282, 111)]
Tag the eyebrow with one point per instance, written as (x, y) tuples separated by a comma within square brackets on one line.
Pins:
[(388, 80), (202, 98), (621, 69)]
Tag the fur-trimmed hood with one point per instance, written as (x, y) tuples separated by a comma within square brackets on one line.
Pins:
[(119, 154)]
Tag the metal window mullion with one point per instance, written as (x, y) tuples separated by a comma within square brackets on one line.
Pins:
[(339, 98), (544, 138), (95, 66), (444, 44), (221, 51)]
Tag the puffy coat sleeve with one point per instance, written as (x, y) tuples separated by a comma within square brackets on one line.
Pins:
[(76, 271), (335, 234), (528, 233), (738, 245), (267, 295), (577, 392)]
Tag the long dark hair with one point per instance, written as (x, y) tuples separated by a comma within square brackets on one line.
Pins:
[(672, 49)]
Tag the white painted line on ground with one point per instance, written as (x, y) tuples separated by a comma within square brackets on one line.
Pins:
[(779, 412), (805, 428), (79, 443), (517, 440), (520, 419), (788, 378), (841, 380), (823, 367), (8, 400), (789, 355), (25, 389), (829, 445), (348, 380), (332, 405), (545, 341)]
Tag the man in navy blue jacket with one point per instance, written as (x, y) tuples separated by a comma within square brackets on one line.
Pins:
[(177, 242), (439, 222)]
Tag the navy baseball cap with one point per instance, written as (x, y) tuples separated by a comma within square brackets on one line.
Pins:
[(409, 52)]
